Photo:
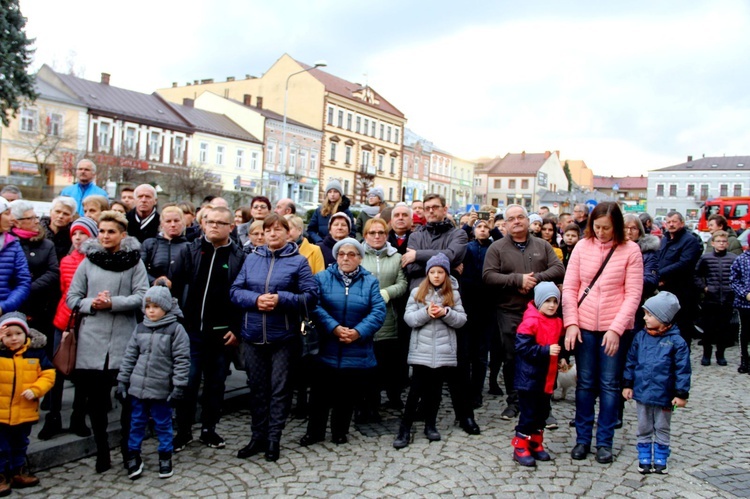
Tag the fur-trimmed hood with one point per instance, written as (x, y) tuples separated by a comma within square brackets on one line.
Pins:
[(647, 242), (92, 245), (35, 339)]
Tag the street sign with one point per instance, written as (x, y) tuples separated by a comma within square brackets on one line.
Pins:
[(591, 204), (470, 207)]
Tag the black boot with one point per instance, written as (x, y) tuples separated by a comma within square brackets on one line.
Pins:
[(744, 366), (404, 436), (430, 431), (78, 424), (52, 426), (165, 465)]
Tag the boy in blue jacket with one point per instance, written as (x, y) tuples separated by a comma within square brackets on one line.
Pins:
[(657, 376)]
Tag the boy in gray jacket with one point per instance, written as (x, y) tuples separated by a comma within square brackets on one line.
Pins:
[(153, 372)]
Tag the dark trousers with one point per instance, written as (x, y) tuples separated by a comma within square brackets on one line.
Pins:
[(507, 323), (161, 412), (268, 369), (387, 373), (477, 334), (211, 363), (14, 441), (96, 391), (716, 328), (335, 391), (426, 385), (56, 394), (534, 408), (458, 379), (744, 330)]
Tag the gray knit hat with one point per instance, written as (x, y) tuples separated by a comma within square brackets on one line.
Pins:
[(377, 191), (15, 319), (344, 242), (544, 291), (534, 218), (85, 224), (340, 214), (335, 184), (4, 204), (159, 296), (439, 260), (664, 306)]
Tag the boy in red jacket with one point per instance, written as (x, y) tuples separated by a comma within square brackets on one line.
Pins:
[(537, 349)]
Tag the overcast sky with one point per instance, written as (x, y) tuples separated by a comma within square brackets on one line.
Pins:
[(626, 86)]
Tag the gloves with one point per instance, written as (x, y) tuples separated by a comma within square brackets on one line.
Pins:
[(385, 296), (122, 391), (178, 393)]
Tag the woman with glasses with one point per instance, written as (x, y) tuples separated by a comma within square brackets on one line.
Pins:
[(274, 288), (57, 225), (15, 278), (384, 262)]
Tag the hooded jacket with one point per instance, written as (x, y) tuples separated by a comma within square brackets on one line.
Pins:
[(26, 368), (433, 342), (68, 266), (157, 358), (41, 304), (317, 228), (385, 264), (658, 368), (284, 272), (104, 334), (649, 246), (15, 278), (358, 306), (536, 369)]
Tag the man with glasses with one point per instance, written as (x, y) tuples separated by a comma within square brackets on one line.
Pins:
[(581, 216), (211, 265), (513, 266), (85, 173)]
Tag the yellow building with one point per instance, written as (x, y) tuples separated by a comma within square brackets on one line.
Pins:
[(581, 174), (362, 132)]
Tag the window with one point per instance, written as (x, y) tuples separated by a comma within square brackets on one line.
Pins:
[(330, 115), (219, 155), (154, 144), (382, 131), (737, 190), (393, 165), (372, 128), (313, 162), (282, 155), (512, 184), (203, 153), (497, 184), (54, 124), (691, 190), (130, 134), (293, 158), (349, 121), (366, 158), (723, 190), (740, 210), (359, 123), (367, 124), (390, 193), (28, 120), (396, 138), (179, 142), (672, 190), (271, 153), (704, 191), (333, 151), (380, 162), (525, 183), (104, 135), (303, 160), (348, 155), (389, 133), (254, 160), (341, 119), (346, 187), (660, 190), (240, 160)]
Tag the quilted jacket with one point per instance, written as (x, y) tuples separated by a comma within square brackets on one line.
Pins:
[(15, 278), (740, 280)]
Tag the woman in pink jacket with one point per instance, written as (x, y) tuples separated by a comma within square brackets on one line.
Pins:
[(595, 317)]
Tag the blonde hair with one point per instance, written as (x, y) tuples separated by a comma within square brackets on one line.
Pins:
[(258, 224), (296, 221), (329, 208), (445, 291), (96, 198), (116, 217), (372, 221), (173, 209)]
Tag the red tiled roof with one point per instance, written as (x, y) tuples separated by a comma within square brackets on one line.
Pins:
[(519, 164), (339, 86), (623, 183)]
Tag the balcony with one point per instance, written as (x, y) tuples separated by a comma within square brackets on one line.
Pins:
[(368, 170)]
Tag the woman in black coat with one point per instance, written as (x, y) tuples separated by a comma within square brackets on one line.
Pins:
[(161, 254)]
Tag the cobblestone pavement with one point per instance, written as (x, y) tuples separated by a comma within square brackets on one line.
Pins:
[(710, 442)]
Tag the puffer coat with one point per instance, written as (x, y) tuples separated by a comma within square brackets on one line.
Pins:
[(157, 358), (317, 228), (41, 304), (712, 272), (433, 342), (658, 368), (104, 334), (284, 272), (26, 368), (358, 306), (161, 256), (15, 278), (536, 369), (385, 264), (614, 298), (68, 266)]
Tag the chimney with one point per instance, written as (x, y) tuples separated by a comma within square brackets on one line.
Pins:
[(690, 158), (558, 154), (259, 102), (523, 155), (188, 102), (230, 78), (174, 84), (247, 100), (547, 154), (105, 78)]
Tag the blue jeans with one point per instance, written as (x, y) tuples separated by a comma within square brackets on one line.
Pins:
[(161, 413), (597, 377), (14, 441)]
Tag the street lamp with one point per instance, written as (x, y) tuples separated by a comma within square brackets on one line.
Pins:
[(318, 64)]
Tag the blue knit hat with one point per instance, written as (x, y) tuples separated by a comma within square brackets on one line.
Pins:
[(441, 261)]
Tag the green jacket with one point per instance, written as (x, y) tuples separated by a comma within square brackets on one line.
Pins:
[(385, 264)]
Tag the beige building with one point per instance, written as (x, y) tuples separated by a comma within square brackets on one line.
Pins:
[(581, 174), (524, 179), (362, 132)]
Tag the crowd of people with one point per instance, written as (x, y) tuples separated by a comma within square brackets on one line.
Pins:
[(403, 298)]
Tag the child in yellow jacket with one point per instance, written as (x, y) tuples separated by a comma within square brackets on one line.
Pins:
[(26, 374)]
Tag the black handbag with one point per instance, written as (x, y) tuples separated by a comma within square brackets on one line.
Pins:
[(309, 334)]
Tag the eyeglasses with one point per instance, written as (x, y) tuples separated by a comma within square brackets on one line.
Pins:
[(216, 223), (432, 207), (259, 207), (377, 233), (631, 229), (347, 255), (35, 217)]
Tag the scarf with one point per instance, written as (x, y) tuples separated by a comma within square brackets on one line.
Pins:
[(118, 261), (348, 277), (24, 234), (146, 220), (521, 246), (169, 318)]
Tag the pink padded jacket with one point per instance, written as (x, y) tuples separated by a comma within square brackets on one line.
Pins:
[(613, 301)]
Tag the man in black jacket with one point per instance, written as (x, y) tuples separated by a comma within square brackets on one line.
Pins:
[(143, 220), (211, 265)]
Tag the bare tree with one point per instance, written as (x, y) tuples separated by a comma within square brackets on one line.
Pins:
[(191, 183), (51, 147)]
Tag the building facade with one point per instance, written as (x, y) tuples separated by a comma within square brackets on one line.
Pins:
[(416, 167), (462, 188), (630, 192), (524, 179)]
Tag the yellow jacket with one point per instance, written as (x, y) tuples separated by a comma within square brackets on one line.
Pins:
[(313, 254), (26, 368)]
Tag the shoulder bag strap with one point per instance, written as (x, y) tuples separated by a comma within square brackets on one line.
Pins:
[(599, 272)]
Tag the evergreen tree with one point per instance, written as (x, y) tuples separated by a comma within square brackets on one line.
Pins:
[(16, 84), (566, 169)]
